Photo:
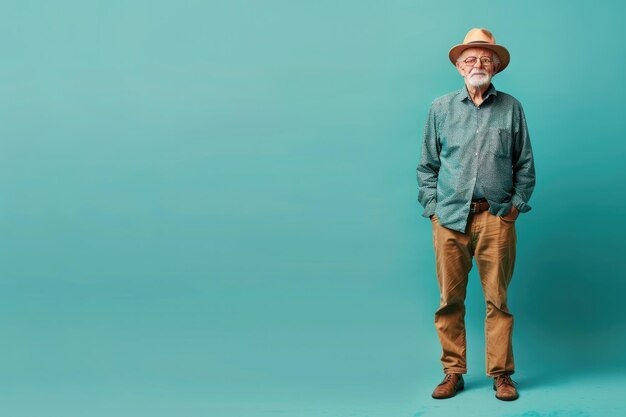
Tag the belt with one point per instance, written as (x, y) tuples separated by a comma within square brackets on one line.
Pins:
[(479, 206)]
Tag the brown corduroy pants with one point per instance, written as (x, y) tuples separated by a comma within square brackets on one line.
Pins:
[(490, 240)]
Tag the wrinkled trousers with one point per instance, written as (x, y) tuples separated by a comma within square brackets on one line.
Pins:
[(490, 240)]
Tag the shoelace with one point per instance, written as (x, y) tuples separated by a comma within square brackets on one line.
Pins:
[(446, 379), (505, 379)]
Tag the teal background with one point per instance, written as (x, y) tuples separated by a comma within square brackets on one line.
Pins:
[(209, 208)]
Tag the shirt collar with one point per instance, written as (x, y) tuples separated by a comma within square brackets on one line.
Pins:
[(463, 94)]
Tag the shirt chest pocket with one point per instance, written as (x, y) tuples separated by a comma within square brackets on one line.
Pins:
[(499, 142)]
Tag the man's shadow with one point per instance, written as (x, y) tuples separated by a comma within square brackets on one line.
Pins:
[(566, 295)]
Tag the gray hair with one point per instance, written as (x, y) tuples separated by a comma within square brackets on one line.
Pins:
[(496, 61)]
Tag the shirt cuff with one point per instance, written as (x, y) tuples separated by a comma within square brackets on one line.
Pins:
[(520, 204), (429, 210)]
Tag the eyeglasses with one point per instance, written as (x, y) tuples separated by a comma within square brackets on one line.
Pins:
[(471, 60)]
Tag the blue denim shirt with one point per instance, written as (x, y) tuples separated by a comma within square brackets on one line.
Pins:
[(465, 144)]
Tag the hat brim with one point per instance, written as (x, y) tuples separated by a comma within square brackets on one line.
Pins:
[(501, 51)]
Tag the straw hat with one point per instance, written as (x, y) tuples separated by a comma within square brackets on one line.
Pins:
[(480, 38)]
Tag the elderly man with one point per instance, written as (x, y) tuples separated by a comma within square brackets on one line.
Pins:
[(476, 174)]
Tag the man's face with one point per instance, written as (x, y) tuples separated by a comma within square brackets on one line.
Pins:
[(478, 74)]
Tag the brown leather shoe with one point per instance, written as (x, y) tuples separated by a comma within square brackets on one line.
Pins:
[(505, 388), (449, 386)]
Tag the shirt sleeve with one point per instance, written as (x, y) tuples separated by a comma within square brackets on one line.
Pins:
[(523, 166), (428, 167)]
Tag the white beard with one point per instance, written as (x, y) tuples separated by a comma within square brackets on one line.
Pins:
[(478, 81)]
